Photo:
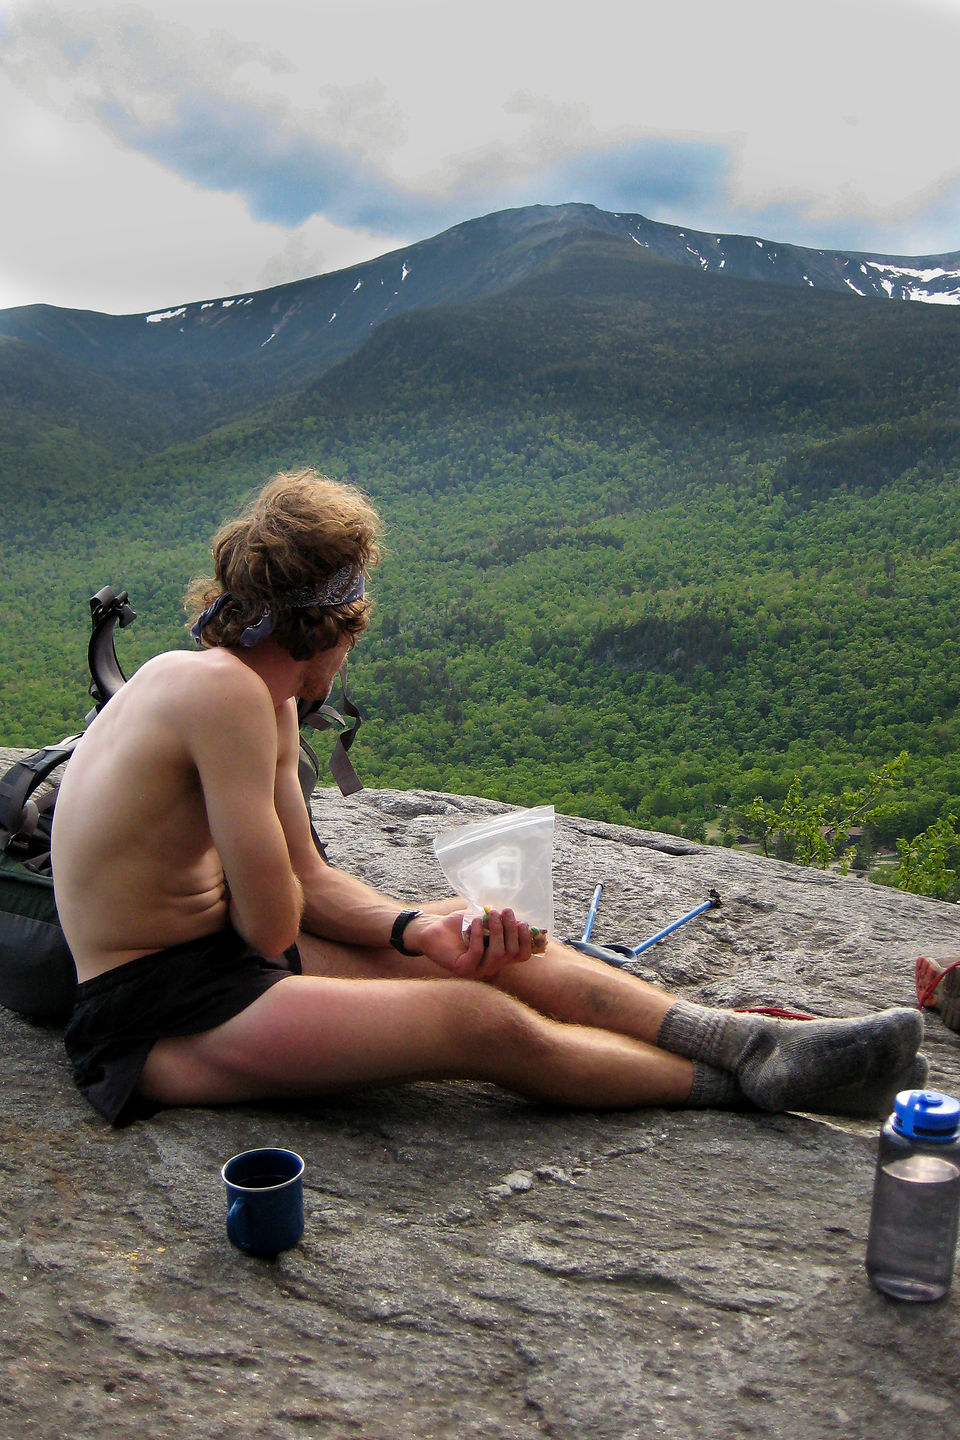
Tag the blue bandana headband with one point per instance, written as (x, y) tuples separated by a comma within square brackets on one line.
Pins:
[(341, 588)]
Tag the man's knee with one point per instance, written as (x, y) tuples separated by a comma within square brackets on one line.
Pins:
[(490, 1024)]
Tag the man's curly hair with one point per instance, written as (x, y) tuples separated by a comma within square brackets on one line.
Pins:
[(299, 531)]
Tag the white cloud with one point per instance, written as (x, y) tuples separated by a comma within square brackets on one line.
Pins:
[(188, 149), (98, 227)]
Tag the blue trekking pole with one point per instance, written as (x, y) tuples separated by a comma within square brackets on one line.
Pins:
[(592, 913), (710, 904), (620, 955)]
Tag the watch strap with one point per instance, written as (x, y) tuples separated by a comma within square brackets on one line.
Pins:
[(399, 925)]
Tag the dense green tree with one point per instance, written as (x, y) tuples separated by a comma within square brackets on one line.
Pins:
[(930, 862)]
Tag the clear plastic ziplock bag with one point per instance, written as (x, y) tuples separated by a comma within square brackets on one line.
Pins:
[(503, 863)]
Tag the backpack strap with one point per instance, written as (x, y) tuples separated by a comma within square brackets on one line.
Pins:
[(323, 717), (20, 781)]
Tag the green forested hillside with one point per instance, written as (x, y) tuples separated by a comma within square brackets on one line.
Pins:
[(656, 541)]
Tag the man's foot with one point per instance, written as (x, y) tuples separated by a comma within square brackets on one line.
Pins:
[(794, 1064), (873, 1099), (865, 1099)]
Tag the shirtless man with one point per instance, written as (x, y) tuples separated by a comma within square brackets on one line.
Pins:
[(221, 959)]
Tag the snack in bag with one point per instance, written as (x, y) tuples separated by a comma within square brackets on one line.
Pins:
[(503, 863)]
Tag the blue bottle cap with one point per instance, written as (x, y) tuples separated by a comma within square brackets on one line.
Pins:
[(926, 1114)]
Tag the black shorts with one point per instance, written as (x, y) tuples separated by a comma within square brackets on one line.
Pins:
[(183, 990)]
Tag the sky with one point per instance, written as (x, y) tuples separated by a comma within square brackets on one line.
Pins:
[(153, 156)]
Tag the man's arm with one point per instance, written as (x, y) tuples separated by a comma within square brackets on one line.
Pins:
[(231, 730), (339, 907)]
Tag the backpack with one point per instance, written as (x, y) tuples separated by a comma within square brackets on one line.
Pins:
[(37, 974)]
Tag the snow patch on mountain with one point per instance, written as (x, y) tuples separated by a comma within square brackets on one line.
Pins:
[(159, 315), (933, 284)]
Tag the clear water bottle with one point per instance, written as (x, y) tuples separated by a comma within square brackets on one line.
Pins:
[(916, 1198)]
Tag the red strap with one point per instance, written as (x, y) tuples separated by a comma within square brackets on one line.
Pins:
[(926, 992), (775, 1011)]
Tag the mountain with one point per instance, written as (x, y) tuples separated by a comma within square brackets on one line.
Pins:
[(129, 384), (264, 342), (659, 537)]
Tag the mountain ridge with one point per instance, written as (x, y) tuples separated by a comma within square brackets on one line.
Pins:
[(472, 260), (175, 373)]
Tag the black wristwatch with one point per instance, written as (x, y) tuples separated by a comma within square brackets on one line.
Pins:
[(399, 925)]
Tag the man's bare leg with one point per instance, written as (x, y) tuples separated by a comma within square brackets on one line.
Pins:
[(584, 991), (309, 1036), (560, 983), (850, 1066)]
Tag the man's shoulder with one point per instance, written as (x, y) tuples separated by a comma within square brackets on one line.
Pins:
[(215, 671), (208, 687)]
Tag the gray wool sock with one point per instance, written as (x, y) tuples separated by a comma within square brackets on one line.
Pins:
[(793, 1064), (715, 1089), (712, 1089), (873, 1099)]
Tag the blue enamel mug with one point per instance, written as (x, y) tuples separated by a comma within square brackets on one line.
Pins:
[(265, 1200)]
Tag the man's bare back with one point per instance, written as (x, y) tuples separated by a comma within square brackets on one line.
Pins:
[(135, 863)]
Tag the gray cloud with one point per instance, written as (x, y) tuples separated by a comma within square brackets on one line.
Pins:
[(193, 108), (650, 175), (286, 173), (286, 176), (283, 175), (691, 119)]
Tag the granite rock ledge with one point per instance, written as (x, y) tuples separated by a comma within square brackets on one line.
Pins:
[(475, 1266)]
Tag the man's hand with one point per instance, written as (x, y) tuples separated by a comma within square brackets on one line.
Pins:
[(508, 941)]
